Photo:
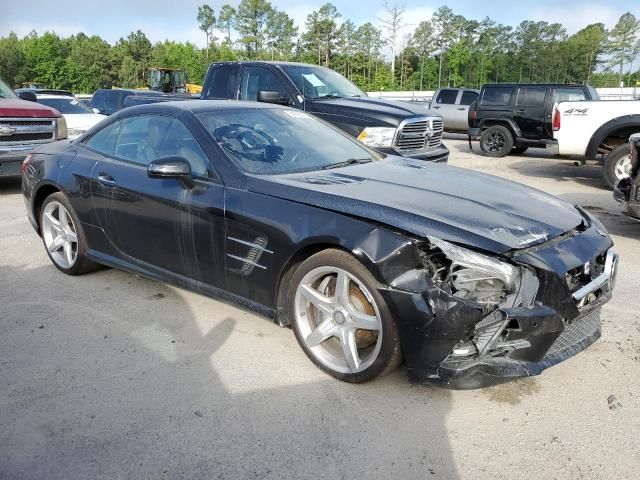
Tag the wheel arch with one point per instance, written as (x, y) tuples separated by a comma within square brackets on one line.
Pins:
[(39, 196), (386, 253), (616, 128), (504, 122)]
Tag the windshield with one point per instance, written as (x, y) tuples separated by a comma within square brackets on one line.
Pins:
[(321, 82), (5, 91), (272, 140), (66, 105)]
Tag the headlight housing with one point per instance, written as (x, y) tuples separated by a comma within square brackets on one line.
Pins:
[(474, 277), (377, 137), (61, 128)]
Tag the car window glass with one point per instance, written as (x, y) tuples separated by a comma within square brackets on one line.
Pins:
[(497, 96), (188, 148), (258, 78), (447, 97), (531, 96), (567, 94), (223, 82), (144, 138), (104, 141), (98, 100), (111, 102), (273, 140), (468, 97)]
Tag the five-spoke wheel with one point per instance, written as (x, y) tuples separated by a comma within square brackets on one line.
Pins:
[(340, 319), (63, 237)]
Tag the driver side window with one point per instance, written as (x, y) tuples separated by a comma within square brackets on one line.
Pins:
[(259, 78)]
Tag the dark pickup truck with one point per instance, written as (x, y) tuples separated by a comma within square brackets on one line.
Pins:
[(394, 128)]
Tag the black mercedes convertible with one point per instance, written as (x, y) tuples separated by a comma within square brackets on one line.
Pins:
[(372, 260)]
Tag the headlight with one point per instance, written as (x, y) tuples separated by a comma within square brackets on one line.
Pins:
[(61, 128), (472, 276), (377, 136)]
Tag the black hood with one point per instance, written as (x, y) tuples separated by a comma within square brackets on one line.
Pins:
[(454, 204), (385, 111)]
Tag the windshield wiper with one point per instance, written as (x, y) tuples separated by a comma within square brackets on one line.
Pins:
[(330, 95), (351, 161)]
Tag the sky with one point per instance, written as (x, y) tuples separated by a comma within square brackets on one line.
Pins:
[(176, 20)]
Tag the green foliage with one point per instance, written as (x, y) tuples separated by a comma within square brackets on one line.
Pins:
[(447, 50)]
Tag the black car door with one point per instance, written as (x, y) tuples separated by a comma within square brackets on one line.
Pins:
[(530, 112), (161, 225)]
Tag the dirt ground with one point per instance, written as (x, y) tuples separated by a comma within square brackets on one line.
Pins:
[(114, 376)]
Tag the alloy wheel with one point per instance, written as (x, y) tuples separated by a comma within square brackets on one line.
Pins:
[(60, 235), (623, 167), (338, 320), (494, 142)]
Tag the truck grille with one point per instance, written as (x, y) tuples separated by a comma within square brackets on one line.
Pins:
[(21, 130), (418, 134)]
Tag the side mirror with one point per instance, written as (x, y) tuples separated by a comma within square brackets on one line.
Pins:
[(29, 96), (96, 110), (171, 167), (271, 96)]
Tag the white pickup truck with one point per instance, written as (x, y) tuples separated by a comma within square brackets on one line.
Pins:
[(597, 130)]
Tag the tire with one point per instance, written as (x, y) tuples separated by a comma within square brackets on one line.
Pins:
[(519, 150), (617, 165), (327, 328), (63, 238), (496, 141)]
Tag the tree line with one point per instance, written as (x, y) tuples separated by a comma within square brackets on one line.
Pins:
[(446, 50)]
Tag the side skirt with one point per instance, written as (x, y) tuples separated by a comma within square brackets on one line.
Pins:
[(160, 275)]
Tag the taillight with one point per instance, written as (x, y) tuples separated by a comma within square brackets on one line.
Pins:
[(556, 120), (25, 164)]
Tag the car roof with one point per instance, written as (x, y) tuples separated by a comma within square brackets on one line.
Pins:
[(533, 85), (54, 95), (196, 106), (265, 62), (129, 90)]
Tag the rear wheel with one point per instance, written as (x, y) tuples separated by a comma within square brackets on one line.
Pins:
[(496, 141), (617, 165), (340, 320), (63, 237)]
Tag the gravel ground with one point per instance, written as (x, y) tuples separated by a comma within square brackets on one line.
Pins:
[(114, 376)]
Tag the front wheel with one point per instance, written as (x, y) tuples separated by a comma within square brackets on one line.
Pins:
[(340, 320), (496, 141), (617, 165)]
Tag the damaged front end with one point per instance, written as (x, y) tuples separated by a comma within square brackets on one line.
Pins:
[(487, 319)]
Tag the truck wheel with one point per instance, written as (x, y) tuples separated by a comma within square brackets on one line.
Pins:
[(496, 141), (617, 165), (519, 150)]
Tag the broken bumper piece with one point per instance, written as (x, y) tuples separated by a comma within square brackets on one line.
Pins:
[(486, 371)]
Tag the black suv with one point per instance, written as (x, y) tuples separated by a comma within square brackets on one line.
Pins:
[(109, 101), (509, 118)]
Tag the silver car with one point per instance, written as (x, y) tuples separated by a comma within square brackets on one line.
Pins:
[(453, 105)]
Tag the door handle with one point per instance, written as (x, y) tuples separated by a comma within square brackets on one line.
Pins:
[(520, 111), (462, 109), (106, 180), (436, 107)]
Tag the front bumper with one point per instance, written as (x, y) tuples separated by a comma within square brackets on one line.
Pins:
[(11, 157), (449, 342), (483, 372), (438, 154)]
